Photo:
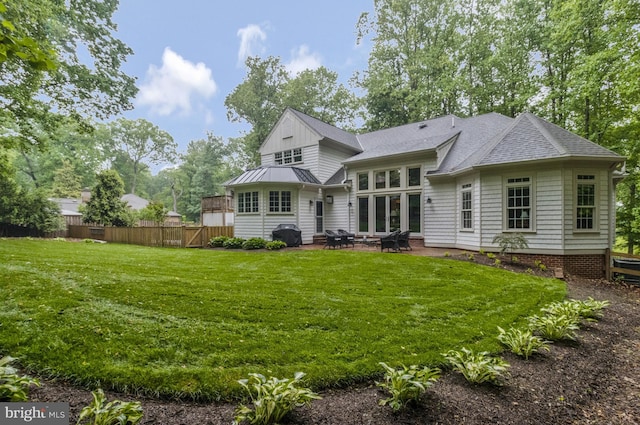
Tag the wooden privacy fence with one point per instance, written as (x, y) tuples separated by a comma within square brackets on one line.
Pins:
[(627, 265), (178, 237)]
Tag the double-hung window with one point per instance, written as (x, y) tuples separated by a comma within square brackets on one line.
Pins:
[(519, 204), (247, 202), (279, 201), (466, 207), (585, 202)]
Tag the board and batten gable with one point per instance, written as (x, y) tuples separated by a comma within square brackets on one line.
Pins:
[(291, 133)]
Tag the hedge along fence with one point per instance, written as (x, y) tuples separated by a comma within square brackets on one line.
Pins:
[(174, 236)]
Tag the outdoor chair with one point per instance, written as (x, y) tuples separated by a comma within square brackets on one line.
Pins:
[(347, 238), (390, 241), (333, 239), (403, 240)]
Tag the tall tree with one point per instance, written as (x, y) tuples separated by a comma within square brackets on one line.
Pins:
[(206, 165), (413, 67), (268, 89), (86, 81), (105, 205), (142, 140)]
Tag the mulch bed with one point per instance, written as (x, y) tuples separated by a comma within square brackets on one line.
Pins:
[(593, 381)]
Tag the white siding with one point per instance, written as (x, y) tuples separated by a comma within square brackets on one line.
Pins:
[(491, 212), (329, 161), (549, 193), (440, 214), (468, 238), (587, 241), (338, 215)]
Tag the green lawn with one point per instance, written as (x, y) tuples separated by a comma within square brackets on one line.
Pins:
[(189, 323)]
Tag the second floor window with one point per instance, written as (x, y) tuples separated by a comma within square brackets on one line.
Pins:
[(290, 156)]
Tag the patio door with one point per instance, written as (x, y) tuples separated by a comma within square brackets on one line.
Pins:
[(319, 216), (387, 213)]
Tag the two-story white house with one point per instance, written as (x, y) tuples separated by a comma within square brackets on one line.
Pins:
[(453, 182)]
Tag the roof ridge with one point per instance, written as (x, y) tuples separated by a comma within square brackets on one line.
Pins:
[(545, 133)]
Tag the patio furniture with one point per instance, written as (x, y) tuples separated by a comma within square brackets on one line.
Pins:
[(403, 240), (333, 239), (347, 238), (390, 241)]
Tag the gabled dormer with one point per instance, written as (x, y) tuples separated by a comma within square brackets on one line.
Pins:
[(302, 141)]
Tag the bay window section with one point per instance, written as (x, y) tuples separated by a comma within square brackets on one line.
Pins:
[(280, 201), (519, 204), (585, 202), (247, 202)]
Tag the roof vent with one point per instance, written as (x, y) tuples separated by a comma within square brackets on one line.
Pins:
[(423, 125)]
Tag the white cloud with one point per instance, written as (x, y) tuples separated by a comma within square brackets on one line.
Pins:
[(252, 38), (302, 59), (175, 84)]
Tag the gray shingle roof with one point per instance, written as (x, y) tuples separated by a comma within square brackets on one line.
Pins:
[(330, 131), (527, 138), (274, 174)]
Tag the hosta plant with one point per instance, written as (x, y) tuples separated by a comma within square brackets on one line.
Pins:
[(478, 368), (589, 310), (522, 342), (406, 384), (12, 386), (254, 243), (275, 245), (272, 398), (113, 413), (233, 243), (218, 241), (555, 327)]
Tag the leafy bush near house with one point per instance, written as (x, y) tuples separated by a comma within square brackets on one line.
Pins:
[(406, 384), (275, 245), (521, 342), (233, 243), (12, 386), (112, 413), (478, 368), (272, 398), (254, 243), (589, 310), (510, 242), (218, 241)]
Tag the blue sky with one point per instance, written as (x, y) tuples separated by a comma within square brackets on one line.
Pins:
[(189, 55)]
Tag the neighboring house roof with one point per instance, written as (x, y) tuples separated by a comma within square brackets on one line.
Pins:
[(329, 131), (137, 203), (275, 174), (68, 206)]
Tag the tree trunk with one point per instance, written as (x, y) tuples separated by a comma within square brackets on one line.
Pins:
[(630, 234)]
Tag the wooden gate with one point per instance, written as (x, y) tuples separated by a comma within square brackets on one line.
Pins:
[(192, 237)]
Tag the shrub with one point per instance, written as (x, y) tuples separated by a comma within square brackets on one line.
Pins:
[(275, 245), (233, 243), (591, 309), (218, 241), (522, 342), (491, 255), (478, 368), (272, 398), (12, 386), (555, 327), (497, 262), (115, 412), (510, 242), (406, 384), (254, 243)]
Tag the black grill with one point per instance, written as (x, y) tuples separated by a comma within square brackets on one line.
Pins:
[(287, 233)]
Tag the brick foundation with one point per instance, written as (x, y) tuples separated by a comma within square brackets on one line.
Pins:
[(591, 266)]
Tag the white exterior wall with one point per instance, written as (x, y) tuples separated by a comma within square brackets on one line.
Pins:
[(468, 237), (329, 162), (587, 241), (440, 215), (338, 215)]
